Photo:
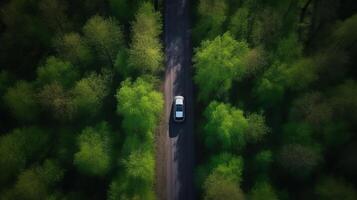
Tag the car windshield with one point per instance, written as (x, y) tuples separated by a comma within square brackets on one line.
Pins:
[(179, 107)]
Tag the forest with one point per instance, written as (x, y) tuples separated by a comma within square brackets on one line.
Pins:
[(275, 99), (79, 99)]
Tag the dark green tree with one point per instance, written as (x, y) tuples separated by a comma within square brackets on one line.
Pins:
[(56, 70), (22, 102)]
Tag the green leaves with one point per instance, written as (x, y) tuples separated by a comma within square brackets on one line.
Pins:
[(225, 127), (89, 93), (211, 16), (105, 36), (217, 63), (56, 70), (140, 105), (145, 53), (94, 155), (22, 102), (18, 147)]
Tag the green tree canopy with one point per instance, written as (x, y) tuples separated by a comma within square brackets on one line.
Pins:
[(105, 37), (73, 48), (145, 53), (90, 91), (94, 155), (263, 191), (56, 100), (257, 127), (225, 164), (211, 17), (298, 160), (219, 187), (217, 63), (18, 147), (37, 182), (239, 24), (330, 188), (22, 102), (140, 105), (225, 128), (56, 70)]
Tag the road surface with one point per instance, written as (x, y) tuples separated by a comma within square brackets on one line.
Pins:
[(177, 138)]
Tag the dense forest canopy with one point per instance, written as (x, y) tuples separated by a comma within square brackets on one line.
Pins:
[(277, 90), (275, 102), (75, 83)]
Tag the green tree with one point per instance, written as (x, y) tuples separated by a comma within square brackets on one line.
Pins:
[(18, 147), (257, 128), (140, 105), (73, 48), (94, 155), (124, 10), (330, 188), (22, 102), (263, 191), (36, 182), (313, 108), (298, 160), (211, 17), (217, 63), (239, 24), (89, 93), (56, 70), (262, 163), (54, 14), (145, 53), (105, 36), (225, 128), (59, 102), (270, 89), (219, 187)]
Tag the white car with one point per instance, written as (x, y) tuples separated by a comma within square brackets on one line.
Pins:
[(179, 109)]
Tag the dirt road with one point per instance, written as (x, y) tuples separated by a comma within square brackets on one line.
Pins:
[(177, 139)]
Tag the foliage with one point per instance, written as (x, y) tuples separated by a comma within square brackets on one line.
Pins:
[(73, 48), (225, 128), (239, 24), (57, 101), (257, 127), (145, 53), (298, 160), (36, 182), (90, 91), (18, 147), (56, 70), (105, 37), (22, 102), (140, 105), (335, 188), (211, 16), (263, 191), (94, 156), (219, 187), (217, 63)]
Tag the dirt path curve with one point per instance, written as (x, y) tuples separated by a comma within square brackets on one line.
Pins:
[(175, 179)]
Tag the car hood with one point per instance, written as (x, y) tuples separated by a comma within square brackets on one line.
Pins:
[(179, 114)]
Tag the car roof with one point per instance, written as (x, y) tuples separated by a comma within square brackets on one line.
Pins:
[(179, 100)]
